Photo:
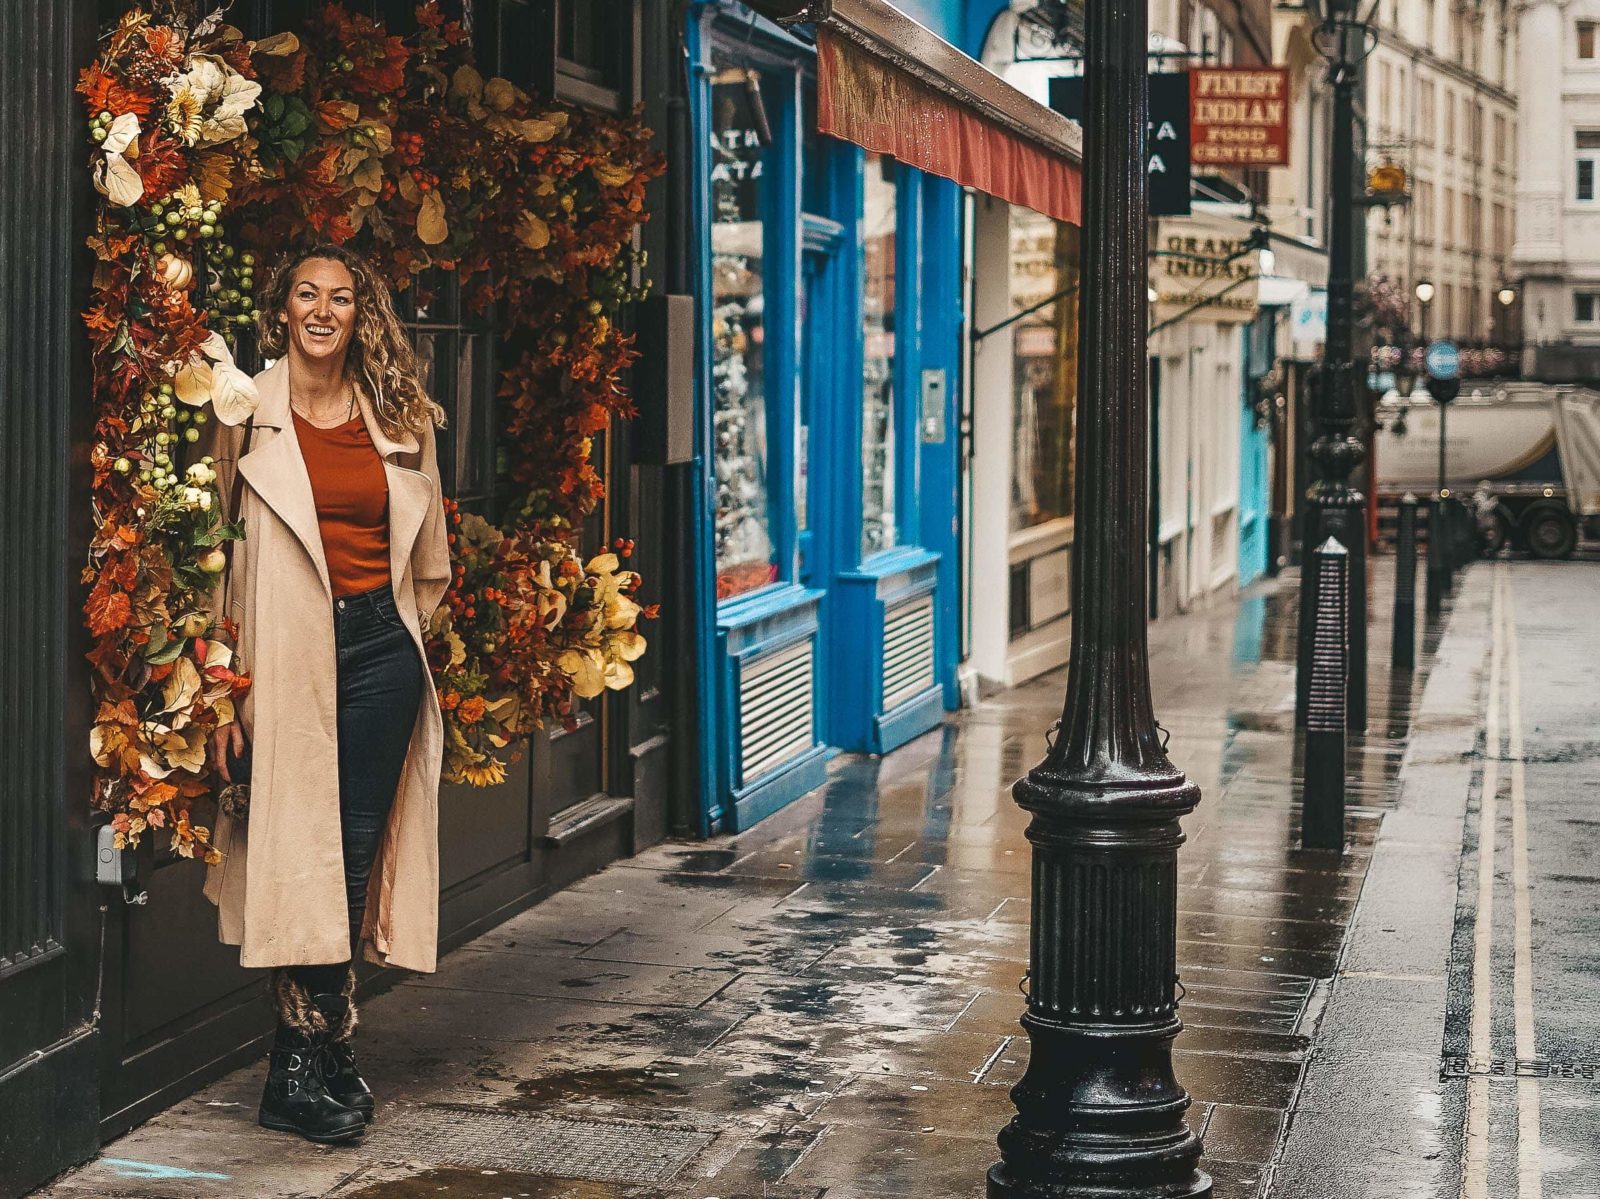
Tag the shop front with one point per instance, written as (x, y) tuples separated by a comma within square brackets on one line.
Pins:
[(115, 997), (831, 370)]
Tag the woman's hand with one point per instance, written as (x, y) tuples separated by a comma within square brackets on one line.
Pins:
[(229, 737)]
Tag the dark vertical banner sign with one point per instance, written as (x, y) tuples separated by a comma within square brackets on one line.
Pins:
[(1168, 136)]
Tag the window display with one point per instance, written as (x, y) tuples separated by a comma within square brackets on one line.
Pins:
[(878, 358), (743, 535), (1044, 264)]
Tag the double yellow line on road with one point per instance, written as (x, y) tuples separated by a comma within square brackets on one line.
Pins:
[(1504, 672)]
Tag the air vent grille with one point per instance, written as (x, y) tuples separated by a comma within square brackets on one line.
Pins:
[(775, 710), (907, 651)]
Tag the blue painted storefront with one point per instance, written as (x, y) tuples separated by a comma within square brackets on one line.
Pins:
[(1255, 450), (821, 642)]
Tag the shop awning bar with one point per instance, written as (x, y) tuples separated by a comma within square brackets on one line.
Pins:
[(890, 84)]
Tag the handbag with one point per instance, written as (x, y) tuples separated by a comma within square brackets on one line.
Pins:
[(234, 799)]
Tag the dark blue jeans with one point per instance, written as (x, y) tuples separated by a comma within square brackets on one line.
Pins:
[(380, 688)]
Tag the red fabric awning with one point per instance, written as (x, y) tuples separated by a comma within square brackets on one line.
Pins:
[(877, 106)]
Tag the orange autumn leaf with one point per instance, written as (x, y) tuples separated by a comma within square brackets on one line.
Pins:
[(107, 609)]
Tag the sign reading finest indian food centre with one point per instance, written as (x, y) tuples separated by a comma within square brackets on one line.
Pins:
[(1239, 116)]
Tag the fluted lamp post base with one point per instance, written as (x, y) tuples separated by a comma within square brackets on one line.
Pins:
[(1099, 1111)]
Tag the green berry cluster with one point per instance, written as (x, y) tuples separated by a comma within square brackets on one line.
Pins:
[(100, 127), (164, 425), (172, 219), (230, 288)]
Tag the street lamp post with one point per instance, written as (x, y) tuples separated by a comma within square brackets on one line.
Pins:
[(1336, 508), (1424, 298), (1099, 1111)]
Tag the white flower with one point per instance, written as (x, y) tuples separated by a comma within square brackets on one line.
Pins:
[(192, 496), (200, 474)]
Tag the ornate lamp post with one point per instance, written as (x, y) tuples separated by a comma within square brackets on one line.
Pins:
[(1337, 509), (1099, 1111)]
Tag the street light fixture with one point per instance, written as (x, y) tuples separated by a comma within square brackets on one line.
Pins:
[(1507, 296), (1424, 298)]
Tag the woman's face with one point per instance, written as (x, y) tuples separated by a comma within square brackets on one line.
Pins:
[(321, 311)]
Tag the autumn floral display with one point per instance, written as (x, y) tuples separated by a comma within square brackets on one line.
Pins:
[(209, 149)]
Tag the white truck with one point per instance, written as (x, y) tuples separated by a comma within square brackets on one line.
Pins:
[(1528, 454)]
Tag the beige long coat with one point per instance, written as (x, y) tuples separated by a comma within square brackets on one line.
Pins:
[(279, 890)]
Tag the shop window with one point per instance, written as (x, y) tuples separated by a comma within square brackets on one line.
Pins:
[(455, 358), (879, 236), (1044, 279), (740, 160), (1586, 155), (592, 51)]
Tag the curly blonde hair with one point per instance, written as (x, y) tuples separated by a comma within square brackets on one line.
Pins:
[(381, 357)]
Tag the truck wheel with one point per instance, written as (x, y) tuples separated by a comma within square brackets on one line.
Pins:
[(1549, 531)]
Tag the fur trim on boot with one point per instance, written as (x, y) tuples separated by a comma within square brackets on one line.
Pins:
[(298, 1010)]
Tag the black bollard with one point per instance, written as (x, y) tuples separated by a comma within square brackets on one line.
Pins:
[(1438, 555), (1403, 647), (1322, 798)]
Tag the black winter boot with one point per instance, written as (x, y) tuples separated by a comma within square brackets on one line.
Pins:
[(295, 1098), (340, 1076)]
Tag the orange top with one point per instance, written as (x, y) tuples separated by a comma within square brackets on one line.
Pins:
[(352, 495)]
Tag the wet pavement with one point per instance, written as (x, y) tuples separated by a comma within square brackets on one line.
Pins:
[(827, 1005)]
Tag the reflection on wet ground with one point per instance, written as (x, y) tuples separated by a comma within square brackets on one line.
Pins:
[(829, 1003)]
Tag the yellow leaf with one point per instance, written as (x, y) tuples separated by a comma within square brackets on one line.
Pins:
[(630, 645), (181, 687), (409, 192), (432, 228), (601, 564), (618, 676), (585, 669), (279, 45), (193, 382), (466, 84), (213, 173), (532, 231), (499, 94), (611, 175), (537, 131)]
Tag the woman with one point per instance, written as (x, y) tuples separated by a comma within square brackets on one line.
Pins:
[(344, 559)]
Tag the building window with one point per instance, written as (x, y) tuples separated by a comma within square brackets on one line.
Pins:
[(1499, 141), (1586, 307), (1586, 164), (1449, 216), (1586, 40), (1044, 263), (879, 229), (1449, 118), (740, 191), (1425, 112)]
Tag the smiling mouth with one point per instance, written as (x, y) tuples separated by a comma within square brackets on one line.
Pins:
[(321, 330)]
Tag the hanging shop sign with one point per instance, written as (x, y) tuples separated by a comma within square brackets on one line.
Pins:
[(1239, 116), (1200, 272), (1167, 137)]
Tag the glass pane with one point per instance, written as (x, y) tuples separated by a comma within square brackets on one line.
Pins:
[(1044, 264), (744, 549), (1586, 39), (1586, 178), (877, 374), (426, 348)]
